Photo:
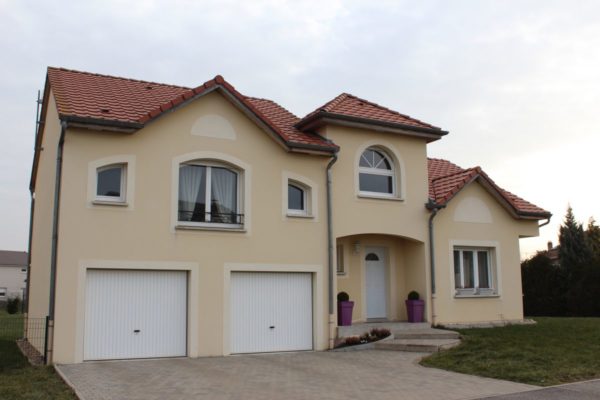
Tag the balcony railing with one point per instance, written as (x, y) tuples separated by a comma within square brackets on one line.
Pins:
[(229, 218)]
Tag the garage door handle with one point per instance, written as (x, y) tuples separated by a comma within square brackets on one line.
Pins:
[(136, 331), (272, 327)]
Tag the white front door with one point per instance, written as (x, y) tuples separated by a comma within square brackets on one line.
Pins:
[(375, 282), (271, 311), (135, 314)]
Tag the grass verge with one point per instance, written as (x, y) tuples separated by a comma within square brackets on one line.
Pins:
[(551, 352), (18, 379)]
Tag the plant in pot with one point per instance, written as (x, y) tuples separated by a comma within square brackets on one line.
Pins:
[(344, 309), (414, 307)]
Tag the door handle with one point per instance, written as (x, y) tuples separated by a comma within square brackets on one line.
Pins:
[(136, 331), (272, 327)]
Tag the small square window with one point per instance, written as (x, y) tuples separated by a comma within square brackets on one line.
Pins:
[(2, 292), (298, 199), (110, 183)]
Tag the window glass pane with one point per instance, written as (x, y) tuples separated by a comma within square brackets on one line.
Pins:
[(374, 159), (295, 198), (340, 259), (372, 257), (457, 282), (223, 207), (483, 269), (468, 269), (109, 182), (375, 183), (192, 193)]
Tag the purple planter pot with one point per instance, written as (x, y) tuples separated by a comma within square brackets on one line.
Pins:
[(345, 313), (414, 309)]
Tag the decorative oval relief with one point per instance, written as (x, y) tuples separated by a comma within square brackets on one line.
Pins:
[(473, 209), (213, 126)]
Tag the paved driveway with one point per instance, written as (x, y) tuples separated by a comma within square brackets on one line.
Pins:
[(369, 374)]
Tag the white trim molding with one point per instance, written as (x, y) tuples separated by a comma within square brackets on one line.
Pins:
[(244, 189), (399, 170), (318, 297), (311, 193), (128, 182), (192, 268), (496, 265)]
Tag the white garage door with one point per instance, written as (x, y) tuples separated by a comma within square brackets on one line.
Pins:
[(135, 314), (271, 311)]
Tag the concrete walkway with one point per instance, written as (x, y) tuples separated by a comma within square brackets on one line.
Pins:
[(369, 374), (589, 390)]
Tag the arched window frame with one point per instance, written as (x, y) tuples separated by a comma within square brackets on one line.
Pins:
[(396, 172), (210, 219), (126, 198), (122, 183), (305, 199)]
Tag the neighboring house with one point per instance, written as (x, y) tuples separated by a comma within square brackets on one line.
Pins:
[(13, 274), (203, 222), (553, 253)]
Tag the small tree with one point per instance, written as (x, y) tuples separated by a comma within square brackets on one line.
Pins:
[(592, 239), (573, 249), (12, 305)]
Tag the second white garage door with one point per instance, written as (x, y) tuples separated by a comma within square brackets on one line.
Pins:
[(271, 311), (135, 314)]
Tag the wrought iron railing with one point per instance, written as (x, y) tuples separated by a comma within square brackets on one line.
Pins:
[(212, 217)]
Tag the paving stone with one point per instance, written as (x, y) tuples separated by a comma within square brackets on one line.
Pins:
[(369, 374)]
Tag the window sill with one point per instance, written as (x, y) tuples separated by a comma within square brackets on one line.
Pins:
[(476, 296), (110, 203), (342, 274), (378, 197), (233, 228), (305, 216)]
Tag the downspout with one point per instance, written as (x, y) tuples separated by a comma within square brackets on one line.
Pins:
[(330, 240), (55, 222), (432, 206), (31, 208)]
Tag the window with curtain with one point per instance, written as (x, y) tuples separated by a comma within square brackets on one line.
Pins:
[(473, 272), (208, 193), (376, 173)]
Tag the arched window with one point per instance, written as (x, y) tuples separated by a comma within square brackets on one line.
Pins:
[(376, 173), (209, 193), (372, 257), (110, 183), (296, 199)]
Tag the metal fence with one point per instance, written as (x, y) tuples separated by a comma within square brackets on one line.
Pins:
[(32, 330)]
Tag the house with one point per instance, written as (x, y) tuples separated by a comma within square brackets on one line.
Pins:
[(171, 221), (13, 274)]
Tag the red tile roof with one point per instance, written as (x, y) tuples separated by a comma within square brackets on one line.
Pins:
[(347, 105), (95, 98), (447, 179)]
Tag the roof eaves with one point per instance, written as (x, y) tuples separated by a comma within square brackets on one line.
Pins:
[(321, 117)]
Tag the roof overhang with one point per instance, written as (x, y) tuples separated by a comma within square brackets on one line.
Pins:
[(321, 118)]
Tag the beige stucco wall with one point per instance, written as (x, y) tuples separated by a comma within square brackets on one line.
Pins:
[(143, 233), (496, 228), (41, 243)]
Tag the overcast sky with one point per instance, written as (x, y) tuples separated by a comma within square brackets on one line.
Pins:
[(517, 83)]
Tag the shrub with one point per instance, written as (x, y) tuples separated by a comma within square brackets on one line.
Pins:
[(12, 305), (343, 296), (413, 295), (352, 340), (380, 333)]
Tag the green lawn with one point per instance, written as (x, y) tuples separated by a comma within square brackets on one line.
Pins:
[(18, 379), (554, 351)]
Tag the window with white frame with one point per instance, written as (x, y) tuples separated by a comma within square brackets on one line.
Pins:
[(111, 183), (298, 198), (341, 270), (474, 271), (376, 174), (209, 194), (2, 292)]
